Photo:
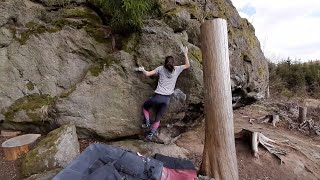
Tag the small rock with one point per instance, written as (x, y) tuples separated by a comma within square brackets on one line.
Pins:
[(57, 150)]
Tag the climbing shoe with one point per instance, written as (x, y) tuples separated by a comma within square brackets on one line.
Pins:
[(146, 126)]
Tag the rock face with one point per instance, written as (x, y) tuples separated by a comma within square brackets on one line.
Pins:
[(150, 149), (57, 62), (57, 150)]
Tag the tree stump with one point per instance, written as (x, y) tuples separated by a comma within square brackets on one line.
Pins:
[(8, 133), (302, 114), (17, 146)]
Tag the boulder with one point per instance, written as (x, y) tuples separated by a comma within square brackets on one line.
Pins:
[(157, 41), (193, 31), (176, 109), (58, 61), (177, 19), (56, 150), (110, 104)]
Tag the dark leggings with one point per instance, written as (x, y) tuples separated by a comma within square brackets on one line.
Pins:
[(159, 103)]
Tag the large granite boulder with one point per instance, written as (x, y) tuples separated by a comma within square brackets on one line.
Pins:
[(57, 62), (157, 41), (56, 150), (110, 104)]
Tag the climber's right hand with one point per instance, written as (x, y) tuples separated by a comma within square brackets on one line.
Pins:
[(139, 69)]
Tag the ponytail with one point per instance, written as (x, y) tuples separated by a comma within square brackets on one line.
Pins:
[(169, 63)]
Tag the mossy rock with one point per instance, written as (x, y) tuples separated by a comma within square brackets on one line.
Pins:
[(81, 13), (67, 92), (30, 104), (129, 43), (98, 33), (195, 53), (30, 86), (33, 28), (100, 65), (56, 150), (61, 22)]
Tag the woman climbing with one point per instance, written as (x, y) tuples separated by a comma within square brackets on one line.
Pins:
[(168, 75)]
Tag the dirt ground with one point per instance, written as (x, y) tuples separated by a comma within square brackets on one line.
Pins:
[(302, 161)]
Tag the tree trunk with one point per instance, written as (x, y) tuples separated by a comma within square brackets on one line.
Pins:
[(302, 114), (219, 157)]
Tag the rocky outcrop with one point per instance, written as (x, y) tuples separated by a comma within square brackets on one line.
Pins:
[(57, 150), (58, 63), (150, 149)]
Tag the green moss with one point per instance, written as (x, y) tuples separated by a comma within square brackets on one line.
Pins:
[(173, 12), (249, 37), (97, 33), (34, 116), (60, 23), (191, 7), (33, 29), (131, 42), (196, 54), (99, 66), (83, 13), (68, 91), (261, 72), (223, 9), (30, 86), (96, 69), (194, 9), (48, 148), (287, 93), (29, 104)]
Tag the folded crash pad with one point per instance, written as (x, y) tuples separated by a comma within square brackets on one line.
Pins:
[(176, 169), (105, 162)]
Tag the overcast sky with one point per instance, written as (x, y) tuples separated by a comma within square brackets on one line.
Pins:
[(285, 27)]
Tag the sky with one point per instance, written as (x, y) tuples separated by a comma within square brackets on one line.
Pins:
[(285, 28)]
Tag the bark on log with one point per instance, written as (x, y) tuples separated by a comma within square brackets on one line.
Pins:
[(219, 157), (17, 146)]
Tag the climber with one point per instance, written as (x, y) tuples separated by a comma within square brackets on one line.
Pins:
[(168, 75)]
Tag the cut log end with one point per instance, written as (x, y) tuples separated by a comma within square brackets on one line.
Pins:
[(17, 146)]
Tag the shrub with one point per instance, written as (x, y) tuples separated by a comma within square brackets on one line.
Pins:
[(126, 15), (296, 77)]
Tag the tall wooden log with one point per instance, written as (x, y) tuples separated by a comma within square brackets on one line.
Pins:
[(219, 157), (302, 113)]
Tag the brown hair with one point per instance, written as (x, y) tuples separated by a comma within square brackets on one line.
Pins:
[(169, 63)]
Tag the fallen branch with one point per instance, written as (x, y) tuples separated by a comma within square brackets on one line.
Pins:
[(273, 119)]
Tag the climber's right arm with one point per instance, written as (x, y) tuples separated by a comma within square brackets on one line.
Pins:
[(149, 73)]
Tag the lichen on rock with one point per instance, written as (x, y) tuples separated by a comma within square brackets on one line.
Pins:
[(56, 150), (28, 108)]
